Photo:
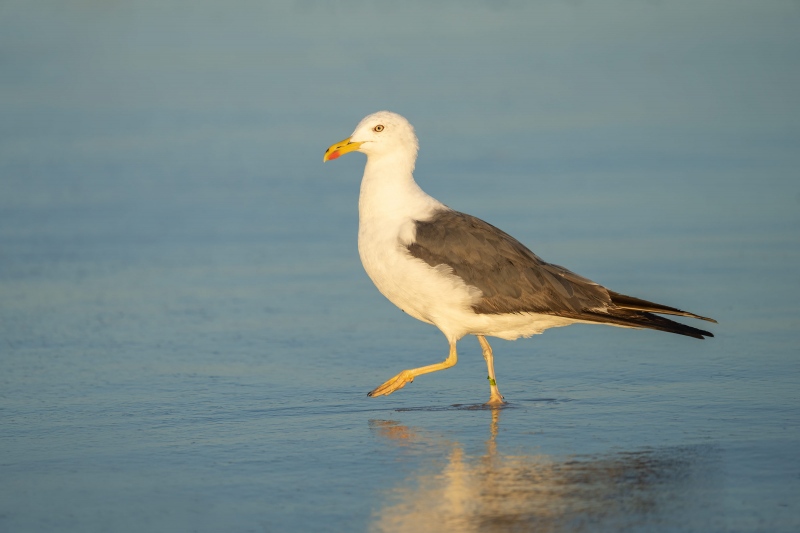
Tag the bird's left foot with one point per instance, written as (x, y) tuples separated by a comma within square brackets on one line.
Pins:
[(496, 401), (396, 383)]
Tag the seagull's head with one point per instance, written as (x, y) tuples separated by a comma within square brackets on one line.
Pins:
[(379, 134)]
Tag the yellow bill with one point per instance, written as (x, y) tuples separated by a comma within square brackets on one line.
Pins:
[(339, 149)]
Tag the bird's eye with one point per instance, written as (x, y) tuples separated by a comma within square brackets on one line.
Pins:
[(378, 128)]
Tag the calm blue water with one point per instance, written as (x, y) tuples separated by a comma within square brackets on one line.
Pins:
[(187, 335)]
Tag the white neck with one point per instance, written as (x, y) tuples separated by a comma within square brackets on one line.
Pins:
[(389, 192)]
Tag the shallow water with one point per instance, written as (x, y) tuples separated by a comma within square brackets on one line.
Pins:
[(187, 336)]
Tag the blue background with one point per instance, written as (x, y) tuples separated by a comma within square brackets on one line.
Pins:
[(187, 335)]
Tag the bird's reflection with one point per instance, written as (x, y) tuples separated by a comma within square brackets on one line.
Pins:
[(494, 491)]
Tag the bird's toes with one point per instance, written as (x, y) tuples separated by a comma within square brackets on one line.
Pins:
[(496, 401), (396, 383)]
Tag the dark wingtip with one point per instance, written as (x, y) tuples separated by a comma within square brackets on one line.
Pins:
[(683, 329), (697, 333), (644, 319), (637, 304), (369, 394)]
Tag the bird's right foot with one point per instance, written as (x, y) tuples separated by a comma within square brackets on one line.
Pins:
[(396, 383)]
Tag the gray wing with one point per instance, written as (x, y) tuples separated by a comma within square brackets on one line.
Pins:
[(511, 277)]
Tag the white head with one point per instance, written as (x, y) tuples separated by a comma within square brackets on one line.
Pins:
[(379, 134)]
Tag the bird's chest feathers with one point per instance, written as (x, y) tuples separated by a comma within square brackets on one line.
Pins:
[(382, 245), (424, 292)]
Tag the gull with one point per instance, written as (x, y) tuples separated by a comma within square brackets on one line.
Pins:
[(461, 274)]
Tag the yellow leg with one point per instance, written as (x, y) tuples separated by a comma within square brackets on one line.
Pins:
[(407, 376), (495, 397)]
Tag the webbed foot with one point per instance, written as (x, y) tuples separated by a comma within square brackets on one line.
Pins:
[(396, 383)]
